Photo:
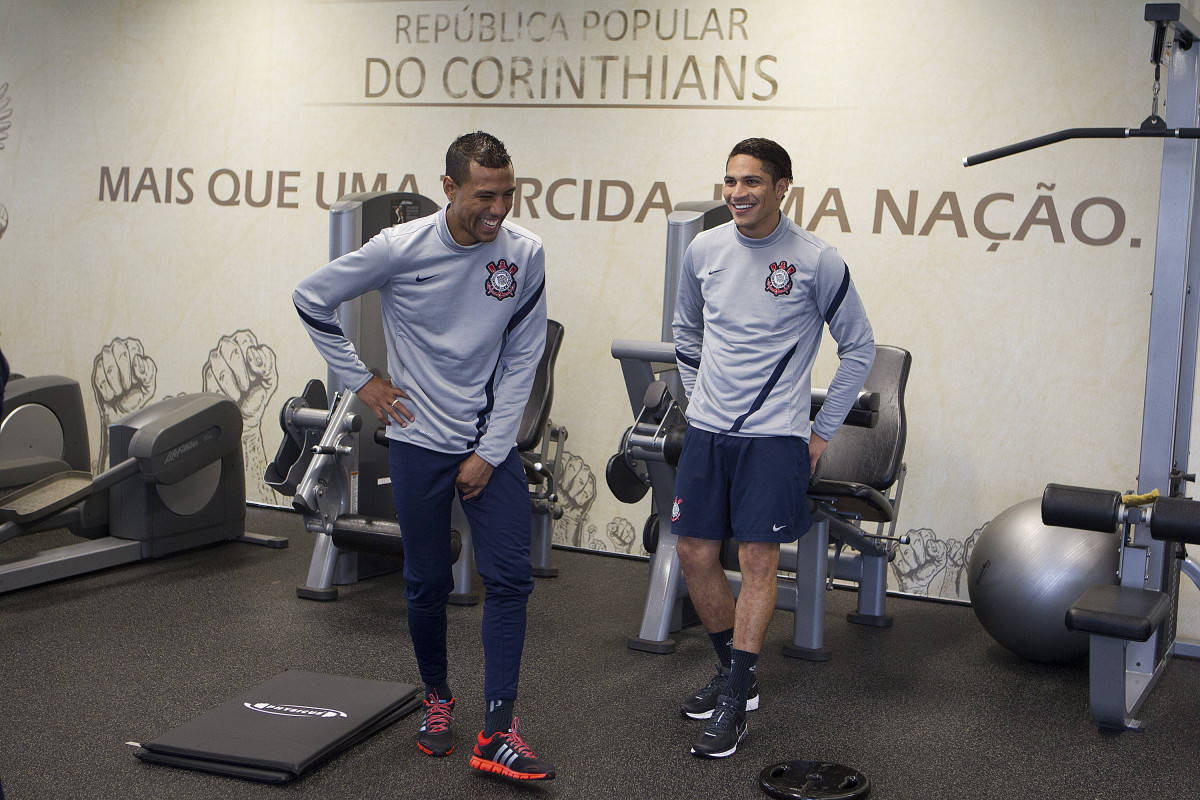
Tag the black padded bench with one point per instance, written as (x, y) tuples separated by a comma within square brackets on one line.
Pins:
[(1119, 612), (1121, 620), (1113, 616)]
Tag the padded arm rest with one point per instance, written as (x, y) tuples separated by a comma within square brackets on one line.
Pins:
[(852, 500), (1123, 612), (863, 414), (652, 352)]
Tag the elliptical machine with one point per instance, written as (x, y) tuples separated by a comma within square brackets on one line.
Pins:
[(175, 482)]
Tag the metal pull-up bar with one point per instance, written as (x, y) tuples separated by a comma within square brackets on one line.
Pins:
[(1145, 131), (1161, 15)]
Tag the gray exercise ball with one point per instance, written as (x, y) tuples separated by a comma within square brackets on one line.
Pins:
[(1024, 575)]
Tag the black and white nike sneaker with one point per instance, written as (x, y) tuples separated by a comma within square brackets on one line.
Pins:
[(724, 732), (701, 704)]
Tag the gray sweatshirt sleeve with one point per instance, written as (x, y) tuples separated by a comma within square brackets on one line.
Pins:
[(847, 320), (318, 296), (688, 325)]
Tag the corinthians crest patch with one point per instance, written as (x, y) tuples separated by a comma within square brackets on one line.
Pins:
[(779, 279), (501, 280)]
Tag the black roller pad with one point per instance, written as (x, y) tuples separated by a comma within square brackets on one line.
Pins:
[(1081, 508), (625, 484), (283, 727), (1176, 519)]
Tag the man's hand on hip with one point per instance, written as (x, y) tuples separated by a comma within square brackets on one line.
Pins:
[(384, 401)]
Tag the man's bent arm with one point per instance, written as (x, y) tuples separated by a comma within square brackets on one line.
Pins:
[(847, 320), (317, 299)]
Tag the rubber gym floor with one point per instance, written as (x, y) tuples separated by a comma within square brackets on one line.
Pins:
[(930, 708)]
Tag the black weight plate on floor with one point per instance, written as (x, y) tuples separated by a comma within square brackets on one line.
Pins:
[(814, 780)]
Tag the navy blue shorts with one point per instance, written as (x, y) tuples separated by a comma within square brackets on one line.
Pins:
[(749, 488)]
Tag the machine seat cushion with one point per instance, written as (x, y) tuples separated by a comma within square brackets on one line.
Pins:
[(1123, 612), (850, 499)]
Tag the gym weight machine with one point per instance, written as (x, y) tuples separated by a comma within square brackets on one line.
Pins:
[(843, 495), (319, 466), (1132, 626)]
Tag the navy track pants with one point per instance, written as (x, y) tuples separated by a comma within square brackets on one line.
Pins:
[(423, 487)]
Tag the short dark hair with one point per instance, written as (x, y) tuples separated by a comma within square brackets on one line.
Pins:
[(774, 158), (482, 148)]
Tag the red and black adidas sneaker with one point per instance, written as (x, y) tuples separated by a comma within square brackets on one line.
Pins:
[(504, 753), (435, 737)]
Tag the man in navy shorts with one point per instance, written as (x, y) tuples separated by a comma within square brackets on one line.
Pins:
[(754, 297)]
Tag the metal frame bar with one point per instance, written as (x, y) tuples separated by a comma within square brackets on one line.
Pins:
[(1170, 372)]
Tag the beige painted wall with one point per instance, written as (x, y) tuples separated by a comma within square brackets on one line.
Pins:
[(236, 120)]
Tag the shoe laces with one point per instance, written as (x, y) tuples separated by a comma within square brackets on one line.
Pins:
[(723, 716), (437, 714), (718, 681), (517, 743)]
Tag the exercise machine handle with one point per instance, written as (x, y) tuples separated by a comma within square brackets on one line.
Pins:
[(1146, 130), (341, 421)]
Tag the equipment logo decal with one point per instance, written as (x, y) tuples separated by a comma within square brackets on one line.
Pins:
[(779, 281), (295, 711), (501, 283)]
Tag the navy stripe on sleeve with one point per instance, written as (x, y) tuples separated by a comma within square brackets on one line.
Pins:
[(776, 374), (481, 419), (524, 310), (323, 327), (837, 300), (686, 360)]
